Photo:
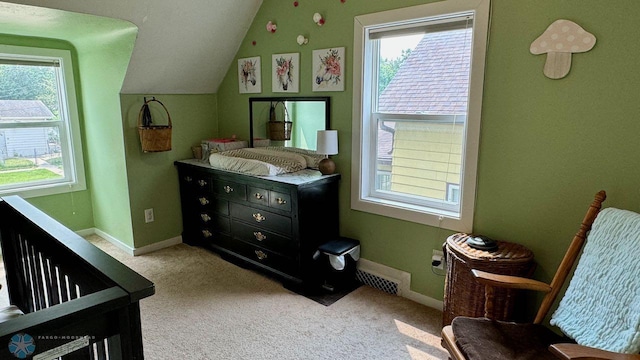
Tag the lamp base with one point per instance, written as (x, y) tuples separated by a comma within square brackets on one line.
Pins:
[(327, 166)]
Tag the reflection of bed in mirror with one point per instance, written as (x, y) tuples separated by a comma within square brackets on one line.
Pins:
[(269, 117)]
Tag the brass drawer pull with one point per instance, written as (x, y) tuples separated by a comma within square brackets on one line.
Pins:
[(188, 179), (205, 217), (259, 196), (281, 201), (202, 183), (259, 236), (259, 217), (228, 189), (203, 201), (207, 233), (261, 255)]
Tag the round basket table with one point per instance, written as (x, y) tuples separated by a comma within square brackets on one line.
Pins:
[(463, 295)]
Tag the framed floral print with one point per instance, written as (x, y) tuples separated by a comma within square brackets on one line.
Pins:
[(328, 69), (249, 76), (286, 70)]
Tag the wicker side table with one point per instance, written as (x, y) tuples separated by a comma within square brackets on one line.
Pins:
[(463, 295)]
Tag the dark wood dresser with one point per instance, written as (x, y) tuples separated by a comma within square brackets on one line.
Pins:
[(272, 223)]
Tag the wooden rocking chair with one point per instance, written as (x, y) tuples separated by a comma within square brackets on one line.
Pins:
[(482, 338)]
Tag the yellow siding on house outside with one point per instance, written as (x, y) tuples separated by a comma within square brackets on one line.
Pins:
[(426, 156)]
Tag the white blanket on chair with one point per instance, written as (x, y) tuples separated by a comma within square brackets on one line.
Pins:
[(601, 307)]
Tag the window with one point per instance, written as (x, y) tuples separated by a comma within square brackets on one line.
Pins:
[(40, 149), (417, 111)]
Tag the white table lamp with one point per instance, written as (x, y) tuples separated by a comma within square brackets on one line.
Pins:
[(327, 144)]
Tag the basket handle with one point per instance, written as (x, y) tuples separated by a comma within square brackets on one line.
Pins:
[(146, 104), (272, 112)]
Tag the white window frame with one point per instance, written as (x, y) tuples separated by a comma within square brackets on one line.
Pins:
[(69, 125), (362, 198)]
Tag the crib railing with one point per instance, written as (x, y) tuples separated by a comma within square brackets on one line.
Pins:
[(78, 302)]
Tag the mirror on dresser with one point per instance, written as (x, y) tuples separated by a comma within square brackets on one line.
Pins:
[(287, 121)]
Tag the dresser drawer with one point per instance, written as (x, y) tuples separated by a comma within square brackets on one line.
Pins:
[(266, 239), (270, 198), (230, 190), (196, 181), (260, 218), (213, 222), (206, 235), (258, 195), (281, 201), (208, 203), (261, 255)]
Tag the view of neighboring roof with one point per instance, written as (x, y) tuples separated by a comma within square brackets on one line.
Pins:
[(434, 79), (24, 110)]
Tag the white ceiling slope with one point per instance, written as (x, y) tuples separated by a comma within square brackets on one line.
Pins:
[(183, 47)]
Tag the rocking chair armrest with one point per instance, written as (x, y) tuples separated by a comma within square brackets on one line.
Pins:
[(580, 352), (509, 282)]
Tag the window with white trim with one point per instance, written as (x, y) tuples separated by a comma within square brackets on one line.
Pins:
[(418, 82), (40, 148)]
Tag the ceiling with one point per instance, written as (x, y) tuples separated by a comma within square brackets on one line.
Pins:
[(183, 47)]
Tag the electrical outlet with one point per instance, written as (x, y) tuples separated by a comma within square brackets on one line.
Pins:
[(437, 259), (148, 215)]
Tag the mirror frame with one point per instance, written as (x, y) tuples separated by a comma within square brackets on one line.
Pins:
[(325, 99)]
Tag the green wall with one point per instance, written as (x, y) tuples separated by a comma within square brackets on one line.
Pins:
[(547, 146), (104, 67), (101, 50), (74, 210), (153, 179)]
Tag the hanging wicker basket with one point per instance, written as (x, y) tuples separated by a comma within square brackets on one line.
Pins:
[(280, 130), (153, 138)]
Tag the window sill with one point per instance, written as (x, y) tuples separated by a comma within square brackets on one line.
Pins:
[(45, 190), (413, 213)]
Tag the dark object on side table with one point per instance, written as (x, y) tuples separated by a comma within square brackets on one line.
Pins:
[(481, 242)]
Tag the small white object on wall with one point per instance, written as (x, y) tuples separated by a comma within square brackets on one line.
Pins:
[(559, 41), (301, 40)]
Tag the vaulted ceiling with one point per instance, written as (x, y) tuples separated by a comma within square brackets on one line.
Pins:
[(183, 47)]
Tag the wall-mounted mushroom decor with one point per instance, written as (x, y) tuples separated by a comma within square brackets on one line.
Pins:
[(559, 41)]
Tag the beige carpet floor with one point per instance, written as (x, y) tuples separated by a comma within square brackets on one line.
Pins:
[(207, 308)]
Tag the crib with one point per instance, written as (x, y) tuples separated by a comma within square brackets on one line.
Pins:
[(77, 302)]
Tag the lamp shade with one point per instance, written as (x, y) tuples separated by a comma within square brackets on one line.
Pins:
[(327, 142)]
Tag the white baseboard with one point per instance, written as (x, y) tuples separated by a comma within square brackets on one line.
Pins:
[(157, 246), (126, 248), (402, 278), (86, 232)]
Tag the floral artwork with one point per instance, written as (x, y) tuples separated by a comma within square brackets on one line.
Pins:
[(249, 78), (286, 68), (328, 69)]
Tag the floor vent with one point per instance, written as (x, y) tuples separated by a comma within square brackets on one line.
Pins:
[(377, 282)]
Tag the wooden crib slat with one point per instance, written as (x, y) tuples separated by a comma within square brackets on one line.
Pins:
[(26, 301), (61, 285), (52, 280), (100, 352), (38, 285)]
